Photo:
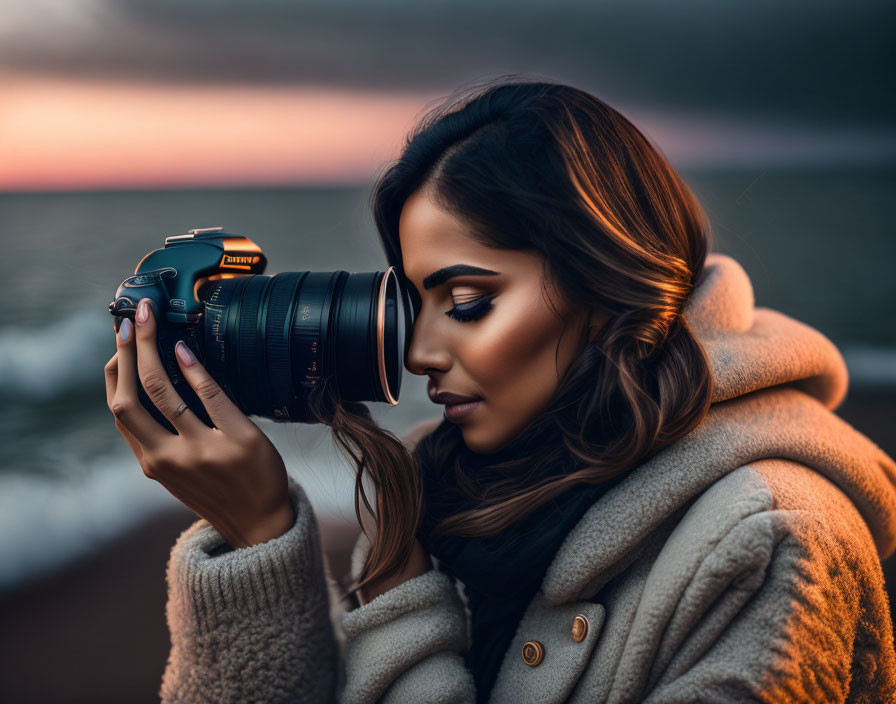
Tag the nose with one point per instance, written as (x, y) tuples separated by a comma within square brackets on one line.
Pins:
[(427, 352)]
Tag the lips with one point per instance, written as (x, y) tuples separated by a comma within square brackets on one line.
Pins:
[(448, 398), (458, 411)]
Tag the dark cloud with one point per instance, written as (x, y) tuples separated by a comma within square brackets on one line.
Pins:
[(818, 61)]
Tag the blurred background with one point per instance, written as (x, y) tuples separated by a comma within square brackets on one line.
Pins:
[(123, 121)]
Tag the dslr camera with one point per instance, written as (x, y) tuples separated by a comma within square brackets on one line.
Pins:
[(270, 341)]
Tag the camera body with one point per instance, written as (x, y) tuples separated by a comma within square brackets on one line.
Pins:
[(268, 341), (170, 277)]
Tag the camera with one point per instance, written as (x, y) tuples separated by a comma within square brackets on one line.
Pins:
[(269, 341)]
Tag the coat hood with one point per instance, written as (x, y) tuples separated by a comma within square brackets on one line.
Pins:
[(776, 382)]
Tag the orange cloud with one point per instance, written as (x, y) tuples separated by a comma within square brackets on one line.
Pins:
[(83, 135)]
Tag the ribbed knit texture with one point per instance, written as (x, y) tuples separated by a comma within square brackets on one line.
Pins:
[(251, 625)]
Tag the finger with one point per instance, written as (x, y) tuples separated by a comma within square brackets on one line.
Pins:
[(111, 373), (125, 405), (225, 414), (135, 446), (154, 377)]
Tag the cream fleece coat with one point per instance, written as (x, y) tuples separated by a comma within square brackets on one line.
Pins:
[(741, 564)]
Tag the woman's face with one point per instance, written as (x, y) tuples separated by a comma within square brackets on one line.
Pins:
[(503, 352)]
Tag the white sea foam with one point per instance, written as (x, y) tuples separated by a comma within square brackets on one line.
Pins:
[(48, 522), (42, 362)]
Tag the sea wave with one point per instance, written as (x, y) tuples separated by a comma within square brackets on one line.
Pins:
[(48, 522), (63, 356)]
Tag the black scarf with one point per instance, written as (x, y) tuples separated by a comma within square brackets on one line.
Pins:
[(500, 573)]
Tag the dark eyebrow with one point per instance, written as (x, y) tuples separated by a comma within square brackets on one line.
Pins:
[(449, 272)]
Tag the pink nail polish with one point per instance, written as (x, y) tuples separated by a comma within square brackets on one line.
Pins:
[(184, 354), (142, 311)]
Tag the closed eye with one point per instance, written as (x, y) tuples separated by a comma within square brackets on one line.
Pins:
[(472, 310)]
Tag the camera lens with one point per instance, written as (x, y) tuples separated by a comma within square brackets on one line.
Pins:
[(269, 340)]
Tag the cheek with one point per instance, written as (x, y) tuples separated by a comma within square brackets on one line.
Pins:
[(513, 360)]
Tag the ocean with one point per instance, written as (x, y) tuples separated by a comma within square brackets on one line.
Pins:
[(819, 245)]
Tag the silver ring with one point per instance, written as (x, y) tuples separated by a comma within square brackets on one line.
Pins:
[(180, 409)]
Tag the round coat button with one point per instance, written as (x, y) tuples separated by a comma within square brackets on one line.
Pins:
[(533, 652), (579, 628)]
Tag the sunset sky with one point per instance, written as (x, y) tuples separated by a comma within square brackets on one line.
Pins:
[(99, 94), (59, 134)]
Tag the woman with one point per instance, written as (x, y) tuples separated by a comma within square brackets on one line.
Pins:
[(638, 491)]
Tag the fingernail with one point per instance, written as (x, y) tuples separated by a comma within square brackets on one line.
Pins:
[(184, 354), (124, 330), (142, 310)]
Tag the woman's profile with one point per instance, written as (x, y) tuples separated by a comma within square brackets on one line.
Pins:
[(638, 491)]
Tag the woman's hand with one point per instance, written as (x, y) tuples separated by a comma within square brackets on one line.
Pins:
[(231, 475)]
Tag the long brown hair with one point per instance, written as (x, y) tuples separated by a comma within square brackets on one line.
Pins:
[(379, 455), (545, 166)]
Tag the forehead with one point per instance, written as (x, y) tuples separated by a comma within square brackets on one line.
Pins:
[(431, 236)]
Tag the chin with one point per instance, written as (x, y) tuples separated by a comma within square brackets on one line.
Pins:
[(480, 442)]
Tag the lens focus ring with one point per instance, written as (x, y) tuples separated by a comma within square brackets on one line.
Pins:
[(281, 307)]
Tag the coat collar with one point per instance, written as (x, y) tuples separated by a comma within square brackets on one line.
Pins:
[(776, 381)]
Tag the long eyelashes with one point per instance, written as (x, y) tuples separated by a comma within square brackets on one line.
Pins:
[(474, 310)]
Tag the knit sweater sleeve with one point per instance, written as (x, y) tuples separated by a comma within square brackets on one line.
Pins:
[(252, 624), (263, 624)]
